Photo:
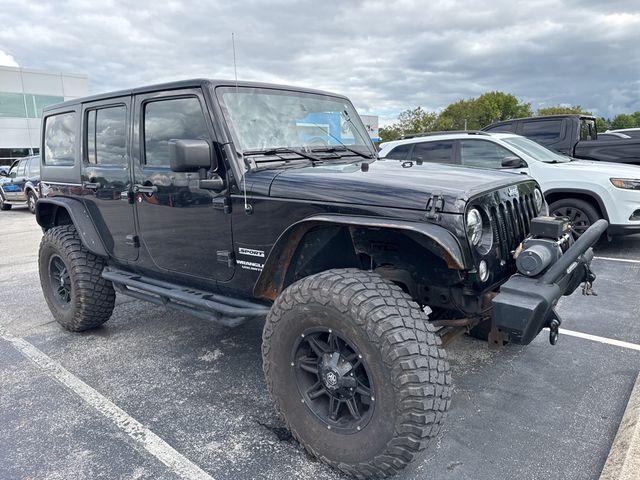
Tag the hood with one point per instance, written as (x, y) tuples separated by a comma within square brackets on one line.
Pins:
[(604, 169), (390, 183)]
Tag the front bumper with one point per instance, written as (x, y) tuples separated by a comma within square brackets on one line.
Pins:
[(525, 305)]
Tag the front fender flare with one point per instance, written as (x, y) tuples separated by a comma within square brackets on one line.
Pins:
[(47, 217), (272, 279)]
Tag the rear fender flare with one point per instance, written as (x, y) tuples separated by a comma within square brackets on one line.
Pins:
[(47, 216), (272, 279)]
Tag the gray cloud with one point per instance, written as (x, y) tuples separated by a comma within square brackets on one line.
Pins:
[(386, 56)]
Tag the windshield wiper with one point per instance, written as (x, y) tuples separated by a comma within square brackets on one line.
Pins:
[(277, 152), (334, 149)]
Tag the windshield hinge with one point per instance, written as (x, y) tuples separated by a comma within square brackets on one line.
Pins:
[(435, 204)]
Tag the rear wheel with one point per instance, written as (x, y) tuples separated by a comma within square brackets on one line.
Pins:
[(70, 276), (31, 201), (356, 370), (581, 214)]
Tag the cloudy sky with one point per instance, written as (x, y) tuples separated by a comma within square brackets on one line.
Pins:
[(386, 56)]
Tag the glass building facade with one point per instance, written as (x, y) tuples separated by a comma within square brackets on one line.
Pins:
[(23, 95)]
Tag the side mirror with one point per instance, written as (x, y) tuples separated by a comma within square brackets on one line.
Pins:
[(513, 162), (190, 155)]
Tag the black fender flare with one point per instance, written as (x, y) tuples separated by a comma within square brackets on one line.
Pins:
[(47, 215), (579, 191), (272, 278)]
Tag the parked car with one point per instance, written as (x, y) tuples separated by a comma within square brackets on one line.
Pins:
[(611, 135), (20, 185), (582, 190), (629, 132), (573, 135), (231, 200)]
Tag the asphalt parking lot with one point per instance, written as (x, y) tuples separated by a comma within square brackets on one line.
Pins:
[(523, 412)]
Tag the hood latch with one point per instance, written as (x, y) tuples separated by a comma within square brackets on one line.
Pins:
[(435, 204)]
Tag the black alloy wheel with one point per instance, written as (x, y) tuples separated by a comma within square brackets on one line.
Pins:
[(60, 281), (579, 220), (333, 380)]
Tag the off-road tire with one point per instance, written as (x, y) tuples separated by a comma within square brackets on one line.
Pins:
[(31, 201), (589, 211), (92, 298), (4, 206), (407, 362)]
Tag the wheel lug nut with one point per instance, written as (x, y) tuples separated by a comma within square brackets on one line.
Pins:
[(292, 364), (329, 427), (358, 428), (359, 356)]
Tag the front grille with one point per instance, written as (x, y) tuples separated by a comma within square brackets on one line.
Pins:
[(511, 222)]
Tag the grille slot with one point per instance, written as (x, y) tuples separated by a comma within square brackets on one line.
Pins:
[(511, 223)]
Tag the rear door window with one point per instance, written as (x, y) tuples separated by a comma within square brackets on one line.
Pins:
[(437, 152), (106, 136), (542, 130)]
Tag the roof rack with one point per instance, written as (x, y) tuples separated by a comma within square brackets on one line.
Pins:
[(445, 132)]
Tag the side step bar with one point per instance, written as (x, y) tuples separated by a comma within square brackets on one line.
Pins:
[(226, 311)]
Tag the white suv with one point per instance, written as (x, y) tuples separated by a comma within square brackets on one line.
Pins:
[(582, 190)]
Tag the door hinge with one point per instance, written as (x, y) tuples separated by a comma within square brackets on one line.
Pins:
[(133, 240), (225, 256), (223, 204), (435, 205)]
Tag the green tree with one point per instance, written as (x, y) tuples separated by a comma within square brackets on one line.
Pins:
[(602, 125), (636, 116), (623, 120), (476, 113), (561, 110), (409, 121)]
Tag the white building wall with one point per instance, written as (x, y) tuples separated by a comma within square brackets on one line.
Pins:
[(25, 132)]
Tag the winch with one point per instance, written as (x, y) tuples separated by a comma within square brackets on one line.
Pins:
[(550, 238)]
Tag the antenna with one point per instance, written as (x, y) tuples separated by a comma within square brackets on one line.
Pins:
[(248, 209), (235, 70)]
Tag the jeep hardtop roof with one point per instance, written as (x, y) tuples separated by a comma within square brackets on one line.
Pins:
[(190, 83)]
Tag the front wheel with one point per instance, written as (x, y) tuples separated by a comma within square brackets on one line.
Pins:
[(580, 213), (356, 370), (3, 205)]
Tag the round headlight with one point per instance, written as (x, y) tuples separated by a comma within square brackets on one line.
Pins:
[(474, 226), (539, 200)]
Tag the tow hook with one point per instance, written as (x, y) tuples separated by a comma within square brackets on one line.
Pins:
[(554, 330)]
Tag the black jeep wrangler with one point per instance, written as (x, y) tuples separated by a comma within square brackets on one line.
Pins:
[(230, 201)]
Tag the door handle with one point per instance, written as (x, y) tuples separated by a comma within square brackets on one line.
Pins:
[(149, 189), (91, 185)]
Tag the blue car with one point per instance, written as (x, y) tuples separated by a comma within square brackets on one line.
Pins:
[(20, 184)]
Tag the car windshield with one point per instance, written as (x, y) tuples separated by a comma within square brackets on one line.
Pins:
[(262, 120), (536, 150)]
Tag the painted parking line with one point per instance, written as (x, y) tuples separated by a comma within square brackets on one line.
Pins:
[(614, 259), (596, 338), (151, 442)]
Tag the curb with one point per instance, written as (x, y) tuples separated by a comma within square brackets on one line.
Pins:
[(623, 462)]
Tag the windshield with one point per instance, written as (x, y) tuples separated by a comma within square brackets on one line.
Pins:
[(535, 150), (262, 119)]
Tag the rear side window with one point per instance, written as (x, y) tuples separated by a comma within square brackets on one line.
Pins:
[(174, 119), (400, 152), (542, 130), (106, 136), (34, 167), (439, 152), (60, 139)]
